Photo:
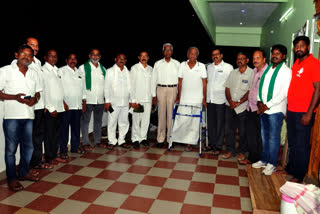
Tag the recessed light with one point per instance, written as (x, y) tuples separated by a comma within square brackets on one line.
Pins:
[(243, 10), (241, 23)]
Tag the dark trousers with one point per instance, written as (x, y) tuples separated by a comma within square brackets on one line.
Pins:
[(97, 110), (234, 121), (215, 124), (70, 118), (17, 132), (299, 144), (38, 135), (51, 140), (253, 131)]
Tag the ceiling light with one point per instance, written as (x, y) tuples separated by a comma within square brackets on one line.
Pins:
[(243, 10), (241, 23), (286, 14)]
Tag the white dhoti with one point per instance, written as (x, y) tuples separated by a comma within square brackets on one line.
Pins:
[(186, 128)]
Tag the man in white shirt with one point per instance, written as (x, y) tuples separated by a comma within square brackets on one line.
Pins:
[(218, 73), (237, 91), (72, 83), (117, 89), (94, 76), (165, 82), (38, 132), (141, 77), (272, 106), (192, 91), (19, 88), (54, 106)]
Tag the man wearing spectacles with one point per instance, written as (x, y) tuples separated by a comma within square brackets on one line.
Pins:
[(237, 91)]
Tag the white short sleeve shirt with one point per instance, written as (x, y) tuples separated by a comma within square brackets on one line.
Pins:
[(12, 82), (72, 84), (192, 88), (217, 76)]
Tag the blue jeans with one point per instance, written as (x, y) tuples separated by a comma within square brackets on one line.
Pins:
[(17, 131), (270, 133)]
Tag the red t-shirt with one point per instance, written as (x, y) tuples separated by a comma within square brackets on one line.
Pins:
[(301, 86)]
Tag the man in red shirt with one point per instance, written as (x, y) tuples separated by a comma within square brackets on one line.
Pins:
[(303, 98)]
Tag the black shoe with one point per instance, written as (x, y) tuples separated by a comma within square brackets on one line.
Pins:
[(145, 143), (136, 145), (160, 145)]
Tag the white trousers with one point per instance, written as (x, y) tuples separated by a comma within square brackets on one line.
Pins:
[(118, 116), (140, 123)]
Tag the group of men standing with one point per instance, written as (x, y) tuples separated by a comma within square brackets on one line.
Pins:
[(256, 101), (41, 102)]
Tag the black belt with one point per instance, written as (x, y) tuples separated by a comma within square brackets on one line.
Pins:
[(159, 85)]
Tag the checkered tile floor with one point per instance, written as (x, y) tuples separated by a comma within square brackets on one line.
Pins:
[(147, 180)]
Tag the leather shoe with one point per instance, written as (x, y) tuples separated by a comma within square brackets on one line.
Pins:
[(145, 143), (160, 145), (227, 155), (136, 145)]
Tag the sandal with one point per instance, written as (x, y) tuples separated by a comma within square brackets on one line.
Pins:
[(30, 177), (208, 149), (79, 151), (54, 162), (15, 186), (88, 147), (110, 146), (188, 148), (125, 145), (216, 152), (43, 166), (244, 162), (61, 160), (64, 156), (101, 145)]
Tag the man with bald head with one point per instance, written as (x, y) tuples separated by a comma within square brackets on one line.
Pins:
[(192, 90), (165, 82)]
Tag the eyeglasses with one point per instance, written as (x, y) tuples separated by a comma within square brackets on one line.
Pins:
[(241, 59)]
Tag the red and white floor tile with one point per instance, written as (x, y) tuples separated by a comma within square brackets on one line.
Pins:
[(147, 180)]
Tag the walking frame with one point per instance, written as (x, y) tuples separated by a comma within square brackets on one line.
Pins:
[(175, 113)]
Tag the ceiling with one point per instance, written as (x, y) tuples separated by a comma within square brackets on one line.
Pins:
[(236, 14)]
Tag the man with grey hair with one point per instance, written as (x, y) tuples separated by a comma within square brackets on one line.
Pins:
[(165, 82), (192, 90)]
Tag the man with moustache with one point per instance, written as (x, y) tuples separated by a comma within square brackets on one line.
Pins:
[(253, 129), (192, 90), (237, 91), (54, 106), (272, 105), (218, 72), (165, 82), (38, 132), (117, 90), (141, 77), (94, 75), (72, 83), (303, 98), (19, 88)]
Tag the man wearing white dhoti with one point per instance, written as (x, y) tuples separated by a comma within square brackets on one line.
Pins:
[(192, 89)]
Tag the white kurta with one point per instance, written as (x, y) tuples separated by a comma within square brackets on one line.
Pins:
[(186, 128), (117, 92), (141, 79)]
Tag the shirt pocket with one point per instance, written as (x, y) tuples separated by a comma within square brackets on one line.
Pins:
[(30, 87), (244, 85)]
